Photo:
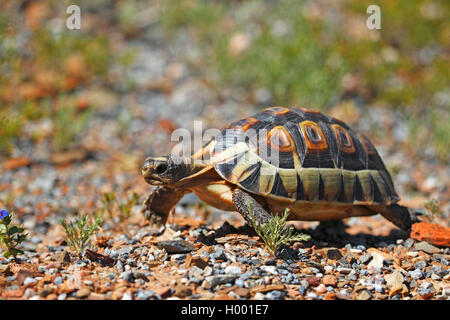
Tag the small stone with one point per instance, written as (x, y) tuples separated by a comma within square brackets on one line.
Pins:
[(364, 259), (45, 291), (321, 288), (29, 280), (364, 295), (329, 280), (62, 257), (275, 295), (127, 296), (212, 281), (258, 296), (58, 280), (334, 254), (312, 295), (408, 243), (233, 270), (62, 296), (182, 291), (377, 261), (420, 264), (426, 247), (394, 282), (242, 292), (302, 290), (378, 288), (416, 274), (270, 269), (83, 293), (176, 246)]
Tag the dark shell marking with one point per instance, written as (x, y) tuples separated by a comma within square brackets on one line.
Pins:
[(320, 159)]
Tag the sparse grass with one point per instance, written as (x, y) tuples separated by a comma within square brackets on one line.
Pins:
[(275, 233), (432, 209), (283, 54), (34, 77), (115, 207), (80, 231), (68, 124)]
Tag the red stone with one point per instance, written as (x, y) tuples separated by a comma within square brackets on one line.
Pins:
[(432, 233)]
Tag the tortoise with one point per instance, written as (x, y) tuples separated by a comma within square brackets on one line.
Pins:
[(280, 158)]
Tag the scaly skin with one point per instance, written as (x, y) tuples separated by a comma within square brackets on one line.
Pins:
[(159, 203)]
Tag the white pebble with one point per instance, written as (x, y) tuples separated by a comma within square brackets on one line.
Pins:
[(233, 270)]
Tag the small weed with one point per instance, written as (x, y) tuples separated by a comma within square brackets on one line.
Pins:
[(275, 233), (68, 124), (11, 237), (111, 205), (432, 209), (79, 232)]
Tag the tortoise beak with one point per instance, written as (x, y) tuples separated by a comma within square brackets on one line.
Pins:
[(153, 169)]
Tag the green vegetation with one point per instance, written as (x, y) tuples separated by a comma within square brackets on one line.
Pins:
[(432, 209), (275, 233), (113, 206), (39, 78), (10, 236), (80, 231)]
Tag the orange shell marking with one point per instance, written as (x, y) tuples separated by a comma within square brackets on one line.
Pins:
[(279, 139), (343, 138), (313, 135), (250, 122), (277, 110)]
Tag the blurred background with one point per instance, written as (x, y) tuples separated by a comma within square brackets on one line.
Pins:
[(81, 109)]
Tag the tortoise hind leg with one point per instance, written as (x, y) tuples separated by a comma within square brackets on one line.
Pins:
[(399, 215)]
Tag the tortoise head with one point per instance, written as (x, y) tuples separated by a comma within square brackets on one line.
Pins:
[(169, 170)]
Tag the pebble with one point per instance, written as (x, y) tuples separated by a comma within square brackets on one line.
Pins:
[(364, 259), (378, 288), (62, 296), (176, 246), (233, 270), (212, 281), (302, 290), (29, 280), (312, 295), (321, 288), (275, 295), (426, 247), (58, 280), (416, 274), (269, 269), (83, 293)]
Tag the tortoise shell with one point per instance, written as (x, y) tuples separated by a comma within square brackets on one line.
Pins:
[(301, 155)]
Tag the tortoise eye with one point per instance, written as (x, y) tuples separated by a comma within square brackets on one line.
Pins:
[(161, 168)]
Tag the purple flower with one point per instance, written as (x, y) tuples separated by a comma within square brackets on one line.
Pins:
[(3, 214)]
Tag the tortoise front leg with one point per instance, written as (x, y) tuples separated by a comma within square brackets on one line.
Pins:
[(159, 203), (244, 203)]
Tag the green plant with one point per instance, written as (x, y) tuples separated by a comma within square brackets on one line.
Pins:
[(11, 237), (80, 231), (125, 207), (68, 124), (275, 233), (111, 202), (432, 209)]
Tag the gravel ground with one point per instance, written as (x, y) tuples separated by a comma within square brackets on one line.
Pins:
[(204, 253)]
